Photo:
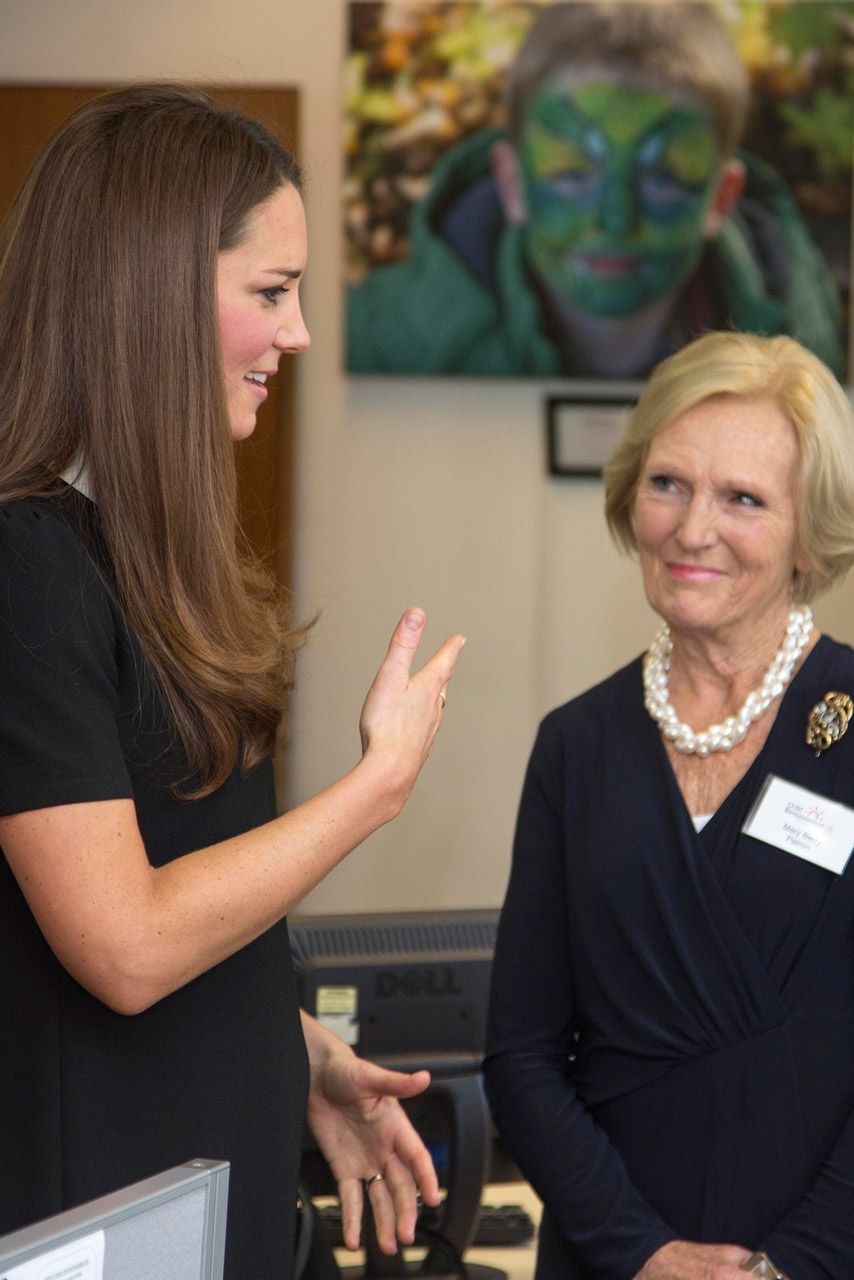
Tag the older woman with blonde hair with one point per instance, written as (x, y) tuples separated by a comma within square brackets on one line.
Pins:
[(672, 1064)]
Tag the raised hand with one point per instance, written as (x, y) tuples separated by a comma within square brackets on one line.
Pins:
[(403, 709)]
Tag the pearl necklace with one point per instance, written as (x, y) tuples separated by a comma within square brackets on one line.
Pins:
[(721, 737)]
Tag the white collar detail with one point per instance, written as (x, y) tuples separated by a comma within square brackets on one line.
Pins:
[(77, 476)]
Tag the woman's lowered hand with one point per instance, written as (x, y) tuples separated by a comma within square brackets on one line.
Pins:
[(685, 1260)]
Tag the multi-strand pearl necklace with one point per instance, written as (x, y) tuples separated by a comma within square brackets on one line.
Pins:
[(721, 737)]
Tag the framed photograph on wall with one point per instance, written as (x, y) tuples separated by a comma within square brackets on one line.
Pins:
[(511, 210), (582, 433)]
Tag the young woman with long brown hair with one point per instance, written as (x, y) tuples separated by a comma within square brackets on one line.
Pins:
[(149, 284)]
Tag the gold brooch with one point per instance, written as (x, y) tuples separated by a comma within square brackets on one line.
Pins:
[(828, 721)]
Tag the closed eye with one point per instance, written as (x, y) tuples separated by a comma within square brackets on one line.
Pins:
[(579, 184), (661, 187), (274, 293)]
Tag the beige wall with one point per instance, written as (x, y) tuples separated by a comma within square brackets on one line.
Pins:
[(409, 491)]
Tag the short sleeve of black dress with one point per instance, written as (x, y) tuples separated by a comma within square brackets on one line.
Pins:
[(59, 737)]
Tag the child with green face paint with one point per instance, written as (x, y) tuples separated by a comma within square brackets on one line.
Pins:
[(619, 171), (618, 188), (597, 235)]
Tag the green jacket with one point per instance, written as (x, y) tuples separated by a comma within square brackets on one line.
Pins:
[(433, 313)]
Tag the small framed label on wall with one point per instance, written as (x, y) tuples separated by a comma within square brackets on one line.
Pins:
[(583, 432)]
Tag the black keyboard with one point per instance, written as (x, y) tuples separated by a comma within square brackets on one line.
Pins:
[(505, 1224)]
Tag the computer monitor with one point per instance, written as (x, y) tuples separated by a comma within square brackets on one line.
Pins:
[(169, 1227), (407, 987)]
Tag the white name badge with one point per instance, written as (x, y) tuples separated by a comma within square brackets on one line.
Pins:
[(800, 822), (82, 1260)]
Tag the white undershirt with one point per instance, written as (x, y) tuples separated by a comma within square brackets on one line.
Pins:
[(700, 819)]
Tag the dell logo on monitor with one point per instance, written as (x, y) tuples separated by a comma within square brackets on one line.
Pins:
[(432, 981)]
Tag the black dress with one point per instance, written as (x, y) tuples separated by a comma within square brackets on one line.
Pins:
[(671, 1045), (91, 1100)]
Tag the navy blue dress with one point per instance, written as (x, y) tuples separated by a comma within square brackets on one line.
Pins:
[(91, 1100), (671, 1043)]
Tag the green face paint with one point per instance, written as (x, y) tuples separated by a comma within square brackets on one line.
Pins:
[(618, 183)]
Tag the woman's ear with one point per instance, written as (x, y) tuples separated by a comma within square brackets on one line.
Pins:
[(729, 188), (504, 160), (803, 563)]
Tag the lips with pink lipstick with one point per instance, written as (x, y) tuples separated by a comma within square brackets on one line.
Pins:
[(613, 266), (692, 572)]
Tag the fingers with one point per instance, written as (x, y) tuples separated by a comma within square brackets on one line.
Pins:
[(410, 1155), (381, 1198), (435, 675), (405, 640), (395, 1084), (424, 1172), (394, 1201), (445, 659), (403, 709), (394, 1205), (351, 1197)]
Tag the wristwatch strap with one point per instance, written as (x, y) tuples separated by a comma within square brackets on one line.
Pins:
[(759, 1264)]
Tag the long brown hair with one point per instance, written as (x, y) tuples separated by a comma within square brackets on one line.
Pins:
[(109, 352)]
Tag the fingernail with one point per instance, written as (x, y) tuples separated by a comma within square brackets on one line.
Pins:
[(414, 619)]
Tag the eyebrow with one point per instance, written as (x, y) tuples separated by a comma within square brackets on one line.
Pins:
[(290, 273)]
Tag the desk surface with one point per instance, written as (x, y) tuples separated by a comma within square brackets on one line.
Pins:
[(517, 1261)]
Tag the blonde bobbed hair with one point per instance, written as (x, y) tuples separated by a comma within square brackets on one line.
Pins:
[(779, 370)]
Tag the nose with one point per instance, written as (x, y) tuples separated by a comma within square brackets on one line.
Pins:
[(697, 528), (617, 211), (292, 335)]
